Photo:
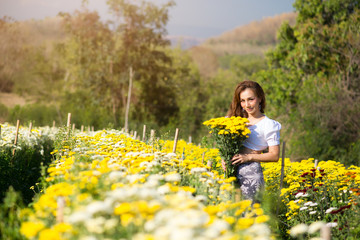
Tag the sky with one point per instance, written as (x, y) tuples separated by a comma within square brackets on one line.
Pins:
[(194, 18)]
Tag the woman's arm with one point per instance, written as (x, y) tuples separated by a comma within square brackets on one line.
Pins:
[(271, 156)]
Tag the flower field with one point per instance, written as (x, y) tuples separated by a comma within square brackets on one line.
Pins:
[(20, 164), (327, 194), (111, 186), (107, 185)]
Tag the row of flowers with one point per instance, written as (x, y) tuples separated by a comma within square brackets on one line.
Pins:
[(110, 186), (25, 137), (324, 192)]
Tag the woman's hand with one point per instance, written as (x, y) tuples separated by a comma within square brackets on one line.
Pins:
[(223, 164), (241, 158)]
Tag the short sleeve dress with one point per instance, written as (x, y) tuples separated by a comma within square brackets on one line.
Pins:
[(265, 133)]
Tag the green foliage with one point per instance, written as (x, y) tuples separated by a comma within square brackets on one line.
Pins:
[(243, 65), (38, 114), (22, 170), (86, 110), (312, 81), (3, 111), (10, 220)]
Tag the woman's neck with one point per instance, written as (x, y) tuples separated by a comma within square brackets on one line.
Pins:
[(255, 117)]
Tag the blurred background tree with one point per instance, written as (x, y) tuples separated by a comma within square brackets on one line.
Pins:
[(313, 80)]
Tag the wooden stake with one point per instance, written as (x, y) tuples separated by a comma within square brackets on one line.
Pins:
[(60, 209), (282, 165), (131, 74), (175, 139), (316, 163), (68, 120), (282, 174), (190, 139), (92, 128), (73, 127), (203, 158), (30, 127), (16, 135), (209, 164), (54, 124), (325, 233), (237, 194), (135, 134), (144, 134), (82, 128), (68, 124), (152, 136)]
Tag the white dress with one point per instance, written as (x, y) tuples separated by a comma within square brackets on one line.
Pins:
[(264, 133)]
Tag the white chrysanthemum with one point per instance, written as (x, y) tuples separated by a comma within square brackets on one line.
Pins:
[(144, 164), (315, 227), (301, 194), (79, 216), (152, 164), (134, 177), (332, 224), (99, 206), (111, 223), (174, 177), (144, 154), (152, 183), (312, 212), (212, 190), (198, 170), (181, 234), (171, 155), (303, 208), (162, 232), (259, 231), (330, 210), (147, 193), (215, 229), (163, 189), (95, 225), (298, 229), (96, 173), (132, 154), (201, 198)]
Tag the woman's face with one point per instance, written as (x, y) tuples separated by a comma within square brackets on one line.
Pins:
[(249, 101)]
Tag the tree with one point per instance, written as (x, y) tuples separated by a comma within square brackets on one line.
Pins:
[(12, 51), (313, 79), (87, 58), (140, 32)]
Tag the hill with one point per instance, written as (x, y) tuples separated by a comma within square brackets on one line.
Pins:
[(254, 38)]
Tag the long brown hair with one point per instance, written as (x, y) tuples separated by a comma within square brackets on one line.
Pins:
[(235, 106)]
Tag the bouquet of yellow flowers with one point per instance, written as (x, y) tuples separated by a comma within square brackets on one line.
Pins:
[(229, 133)]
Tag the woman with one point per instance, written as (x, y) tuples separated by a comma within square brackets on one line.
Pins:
[(249, 102)]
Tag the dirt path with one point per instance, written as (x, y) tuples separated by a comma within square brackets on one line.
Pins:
[(11, 99)]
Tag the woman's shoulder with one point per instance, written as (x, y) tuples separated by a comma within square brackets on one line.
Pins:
[(270, 124)]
